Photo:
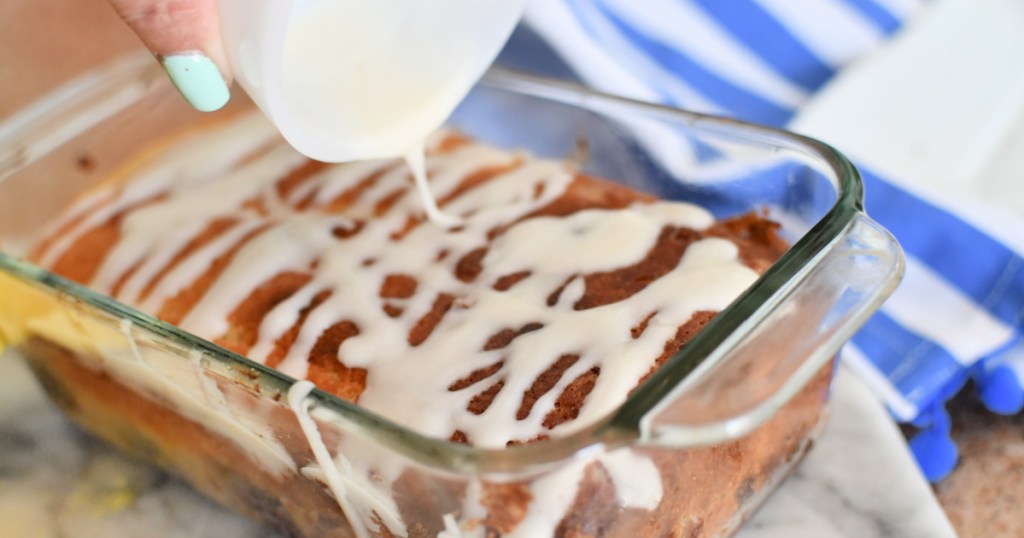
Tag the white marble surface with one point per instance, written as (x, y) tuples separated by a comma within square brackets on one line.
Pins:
[(56, 481), (859, 480)]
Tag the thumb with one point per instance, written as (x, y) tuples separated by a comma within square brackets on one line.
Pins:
[(185, 36)]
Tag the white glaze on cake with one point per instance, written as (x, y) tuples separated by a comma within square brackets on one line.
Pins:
[(553, 250), (221, 173)]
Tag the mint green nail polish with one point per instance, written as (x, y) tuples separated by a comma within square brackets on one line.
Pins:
[(198, 80)]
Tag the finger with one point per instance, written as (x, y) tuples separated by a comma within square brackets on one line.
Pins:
[(185, 36)]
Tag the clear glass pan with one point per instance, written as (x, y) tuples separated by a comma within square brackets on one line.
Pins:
[(753, 382)]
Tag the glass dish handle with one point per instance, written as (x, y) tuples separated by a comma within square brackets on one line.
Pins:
[(796, 335)]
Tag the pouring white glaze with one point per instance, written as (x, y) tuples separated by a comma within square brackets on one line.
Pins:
[(347, 80)]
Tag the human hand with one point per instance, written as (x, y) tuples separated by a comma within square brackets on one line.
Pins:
[(185, 37)]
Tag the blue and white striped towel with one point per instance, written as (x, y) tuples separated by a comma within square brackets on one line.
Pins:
[(959, 312)]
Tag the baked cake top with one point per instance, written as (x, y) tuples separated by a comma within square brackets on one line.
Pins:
[(537, 314)]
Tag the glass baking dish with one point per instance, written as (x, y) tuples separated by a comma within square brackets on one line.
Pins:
[(692, 452)]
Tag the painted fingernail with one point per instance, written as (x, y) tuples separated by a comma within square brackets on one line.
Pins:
[(198, 80)]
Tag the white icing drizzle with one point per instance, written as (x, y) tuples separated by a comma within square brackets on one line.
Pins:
[(336, 180), (451, 528), (195, 160), (554, 250), (195, 397), (382, 232), (357, 497), (637, 481), (553, 495), (416, 161)]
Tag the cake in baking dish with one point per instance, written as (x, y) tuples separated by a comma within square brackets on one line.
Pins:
[(551, 298)]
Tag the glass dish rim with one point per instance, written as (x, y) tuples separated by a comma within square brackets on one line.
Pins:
[(620, 427)]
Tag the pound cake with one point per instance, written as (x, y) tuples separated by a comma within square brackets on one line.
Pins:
[(539, 311)]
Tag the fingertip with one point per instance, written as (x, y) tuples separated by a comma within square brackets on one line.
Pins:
[(185, 36), (198, 80)]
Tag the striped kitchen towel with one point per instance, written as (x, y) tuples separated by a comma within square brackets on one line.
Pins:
[(958, 314)]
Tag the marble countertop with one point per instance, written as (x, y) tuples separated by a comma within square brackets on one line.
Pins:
[(56, 481), (858, 481)]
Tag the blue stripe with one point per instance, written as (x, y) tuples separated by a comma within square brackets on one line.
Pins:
[(919, 368), (764, 36), (875, 13), (740, 102), (664, 97), (992, 275), (527, 51)]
